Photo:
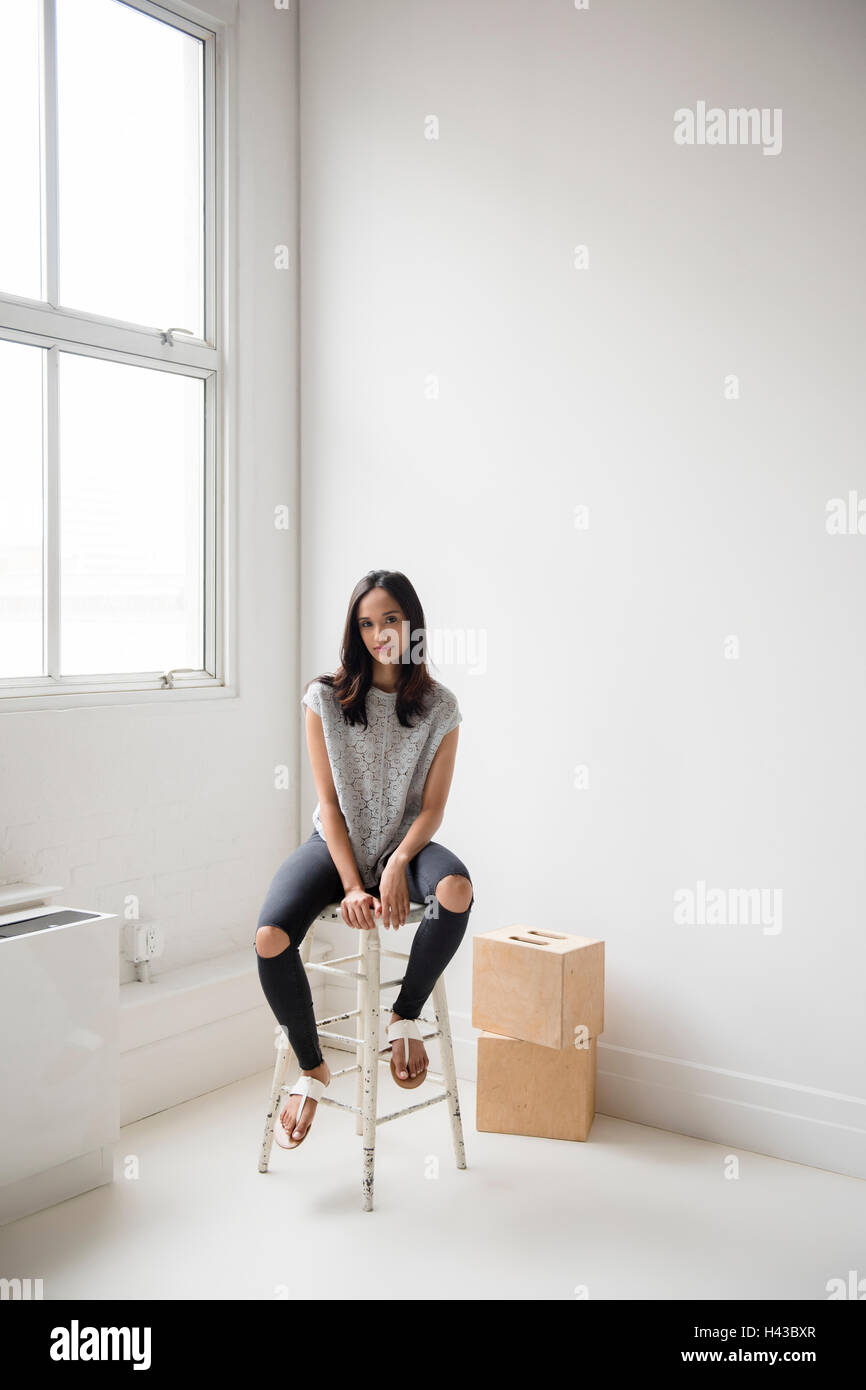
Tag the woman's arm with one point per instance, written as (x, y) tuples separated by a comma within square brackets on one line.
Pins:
[(393, 887), (333, 821), (436, 788)]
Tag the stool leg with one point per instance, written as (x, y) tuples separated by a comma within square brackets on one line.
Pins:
[(360, 1005), (371, 1059), (306, 951), (449, 1071), (274, 1105), (307, 943)]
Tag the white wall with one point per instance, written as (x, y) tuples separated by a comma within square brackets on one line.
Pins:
[(178, 804), (605, 387)]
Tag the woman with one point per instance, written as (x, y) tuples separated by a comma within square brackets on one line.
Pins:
[(382, 739)]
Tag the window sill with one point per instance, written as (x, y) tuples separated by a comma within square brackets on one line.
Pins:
[(66, 697)]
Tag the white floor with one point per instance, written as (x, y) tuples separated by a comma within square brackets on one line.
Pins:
[(632, 1213)]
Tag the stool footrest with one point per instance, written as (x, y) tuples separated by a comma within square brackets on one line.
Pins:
[(435, 1076), (335, 969), (356, 1041), (341, 1105), (339, 1037), (407, 1110)]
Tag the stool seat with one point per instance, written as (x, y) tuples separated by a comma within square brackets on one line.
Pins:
[(368, 1053)]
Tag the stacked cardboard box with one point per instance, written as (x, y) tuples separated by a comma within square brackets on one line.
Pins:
[(538, 996)]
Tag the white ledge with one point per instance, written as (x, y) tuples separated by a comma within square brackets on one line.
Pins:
[(193, 996)]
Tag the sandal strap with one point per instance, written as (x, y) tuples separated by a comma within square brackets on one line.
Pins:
[(310, 1087), (405, 1028)]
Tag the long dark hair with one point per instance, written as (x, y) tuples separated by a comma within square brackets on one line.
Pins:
[(353, 678)]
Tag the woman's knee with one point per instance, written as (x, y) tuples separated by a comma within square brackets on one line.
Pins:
[(271, 941), (454, 892)]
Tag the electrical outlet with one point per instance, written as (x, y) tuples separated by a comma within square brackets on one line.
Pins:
[(142, 941), (154, 940)]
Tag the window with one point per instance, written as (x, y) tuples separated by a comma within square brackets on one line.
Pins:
[(110, 352)]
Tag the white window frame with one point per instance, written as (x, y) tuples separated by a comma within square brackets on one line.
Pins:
[(45, 324)]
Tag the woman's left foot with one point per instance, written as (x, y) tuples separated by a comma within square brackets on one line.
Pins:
[(418, 1058)]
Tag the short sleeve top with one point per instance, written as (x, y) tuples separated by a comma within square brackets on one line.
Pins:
[(379, 772)]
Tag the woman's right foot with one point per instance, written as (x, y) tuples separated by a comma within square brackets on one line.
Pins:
[(290, 1110)]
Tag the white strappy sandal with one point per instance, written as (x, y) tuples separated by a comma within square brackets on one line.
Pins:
[(310, 1087), (405, 1028)]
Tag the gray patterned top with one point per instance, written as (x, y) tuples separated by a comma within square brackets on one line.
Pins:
[(379, 772)]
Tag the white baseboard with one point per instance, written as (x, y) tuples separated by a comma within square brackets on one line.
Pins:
[(54, 1185), (799, 1123), (819, 1128)]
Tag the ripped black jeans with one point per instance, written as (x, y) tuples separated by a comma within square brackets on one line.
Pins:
[(302, 886)]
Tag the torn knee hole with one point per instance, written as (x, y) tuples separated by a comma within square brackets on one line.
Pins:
[(274, 940), (458, 892)]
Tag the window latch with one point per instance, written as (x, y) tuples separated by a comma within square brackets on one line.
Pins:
[(166, 334), (167, 679)]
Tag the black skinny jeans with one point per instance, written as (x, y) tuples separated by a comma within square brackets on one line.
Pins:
[(302, 886)]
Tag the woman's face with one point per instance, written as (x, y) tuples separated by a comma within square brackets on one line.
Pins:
[(383, 626)]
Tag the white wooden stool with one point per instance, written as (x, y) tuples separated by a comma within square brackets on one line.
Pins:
[(368, 1054)]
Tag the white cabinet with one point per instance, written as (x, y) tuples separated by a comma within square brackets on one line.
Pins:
[(59, 1060)]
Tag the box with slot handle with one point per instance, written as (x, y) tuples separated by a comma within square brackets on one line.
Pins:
[(538, 986)]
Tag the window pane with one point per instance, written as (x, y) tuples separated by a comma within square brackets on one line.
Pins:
[(20, 247), (130, 94), (20, 510), (131, 518)]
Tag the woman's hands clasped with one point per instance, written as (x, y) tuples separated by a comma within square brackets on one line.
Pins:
[(358, 906)]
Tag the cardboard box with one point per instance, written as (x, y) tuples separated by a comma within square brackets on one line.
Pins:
[(537, 986), (524, 1088)]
